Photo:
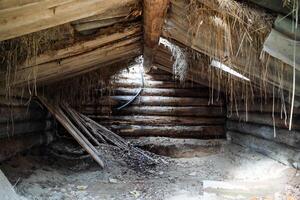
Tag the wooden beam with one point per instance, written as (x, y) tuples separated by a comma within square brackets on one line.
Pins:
[(154, 15), (78, 64), (20, 19), (83, 46)]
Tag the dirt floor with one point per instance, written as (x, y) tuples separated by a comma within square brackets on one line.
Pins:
[(226, 171)]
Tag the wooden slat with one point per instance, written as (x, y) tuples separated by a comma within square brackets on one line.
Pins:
[(17, 20)]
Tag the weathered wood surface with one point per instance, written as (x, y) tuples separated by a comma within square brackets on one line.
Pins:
[(164, 108), (154, 12), (265, 119), (176, 27), (170, 92), (83, 46), (282, 153), (31, 16), (291, 138), (57, 112), (161, 120), (78, 64), (170, 131), (7, 191), (191, 111), (153, 84), (158, 101)]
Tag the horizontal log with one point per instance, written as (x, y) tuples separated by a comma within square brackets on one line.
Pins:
[(78, 64), (153, 84), (14, 129), (21, 19), (169, 92), (157, 101), (17, 114), (15, 145), (262, 107), (282, 153), (84, 46), (154, 120), (291, 138), (203, 132), (204, 111), (265, 119)]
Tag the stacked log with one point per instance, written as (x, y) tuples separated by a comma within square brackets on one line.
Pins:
[(164, 107), (266, 131), (22, 127)]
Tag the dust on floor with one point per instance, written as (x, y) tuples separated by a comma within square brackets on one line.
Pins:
[(45, 177)]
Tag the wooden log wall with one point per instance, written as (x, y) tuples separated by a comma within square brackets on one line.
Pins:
[(253, 127), (164, 108), (22, 126)]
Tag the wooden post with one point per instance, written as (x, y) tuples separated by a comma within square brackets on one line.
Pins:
[(154, 14)]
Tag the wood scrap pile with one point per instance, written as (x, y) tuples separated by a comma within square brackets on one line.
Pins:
[(90, 135)]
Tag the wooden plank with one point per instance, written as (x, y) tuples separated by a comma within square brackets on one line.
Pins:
[(69, 126), (167, 131), (154, 120), (291, 138), (282, 153), (199, 111), (24, 19), (7, 191)]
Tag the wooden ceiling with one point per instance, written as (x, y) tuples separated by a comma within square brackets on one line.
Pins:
[(110, 31)]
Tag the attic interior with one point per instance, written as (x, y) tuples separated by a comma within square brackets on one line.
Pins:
[(149, 99)]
